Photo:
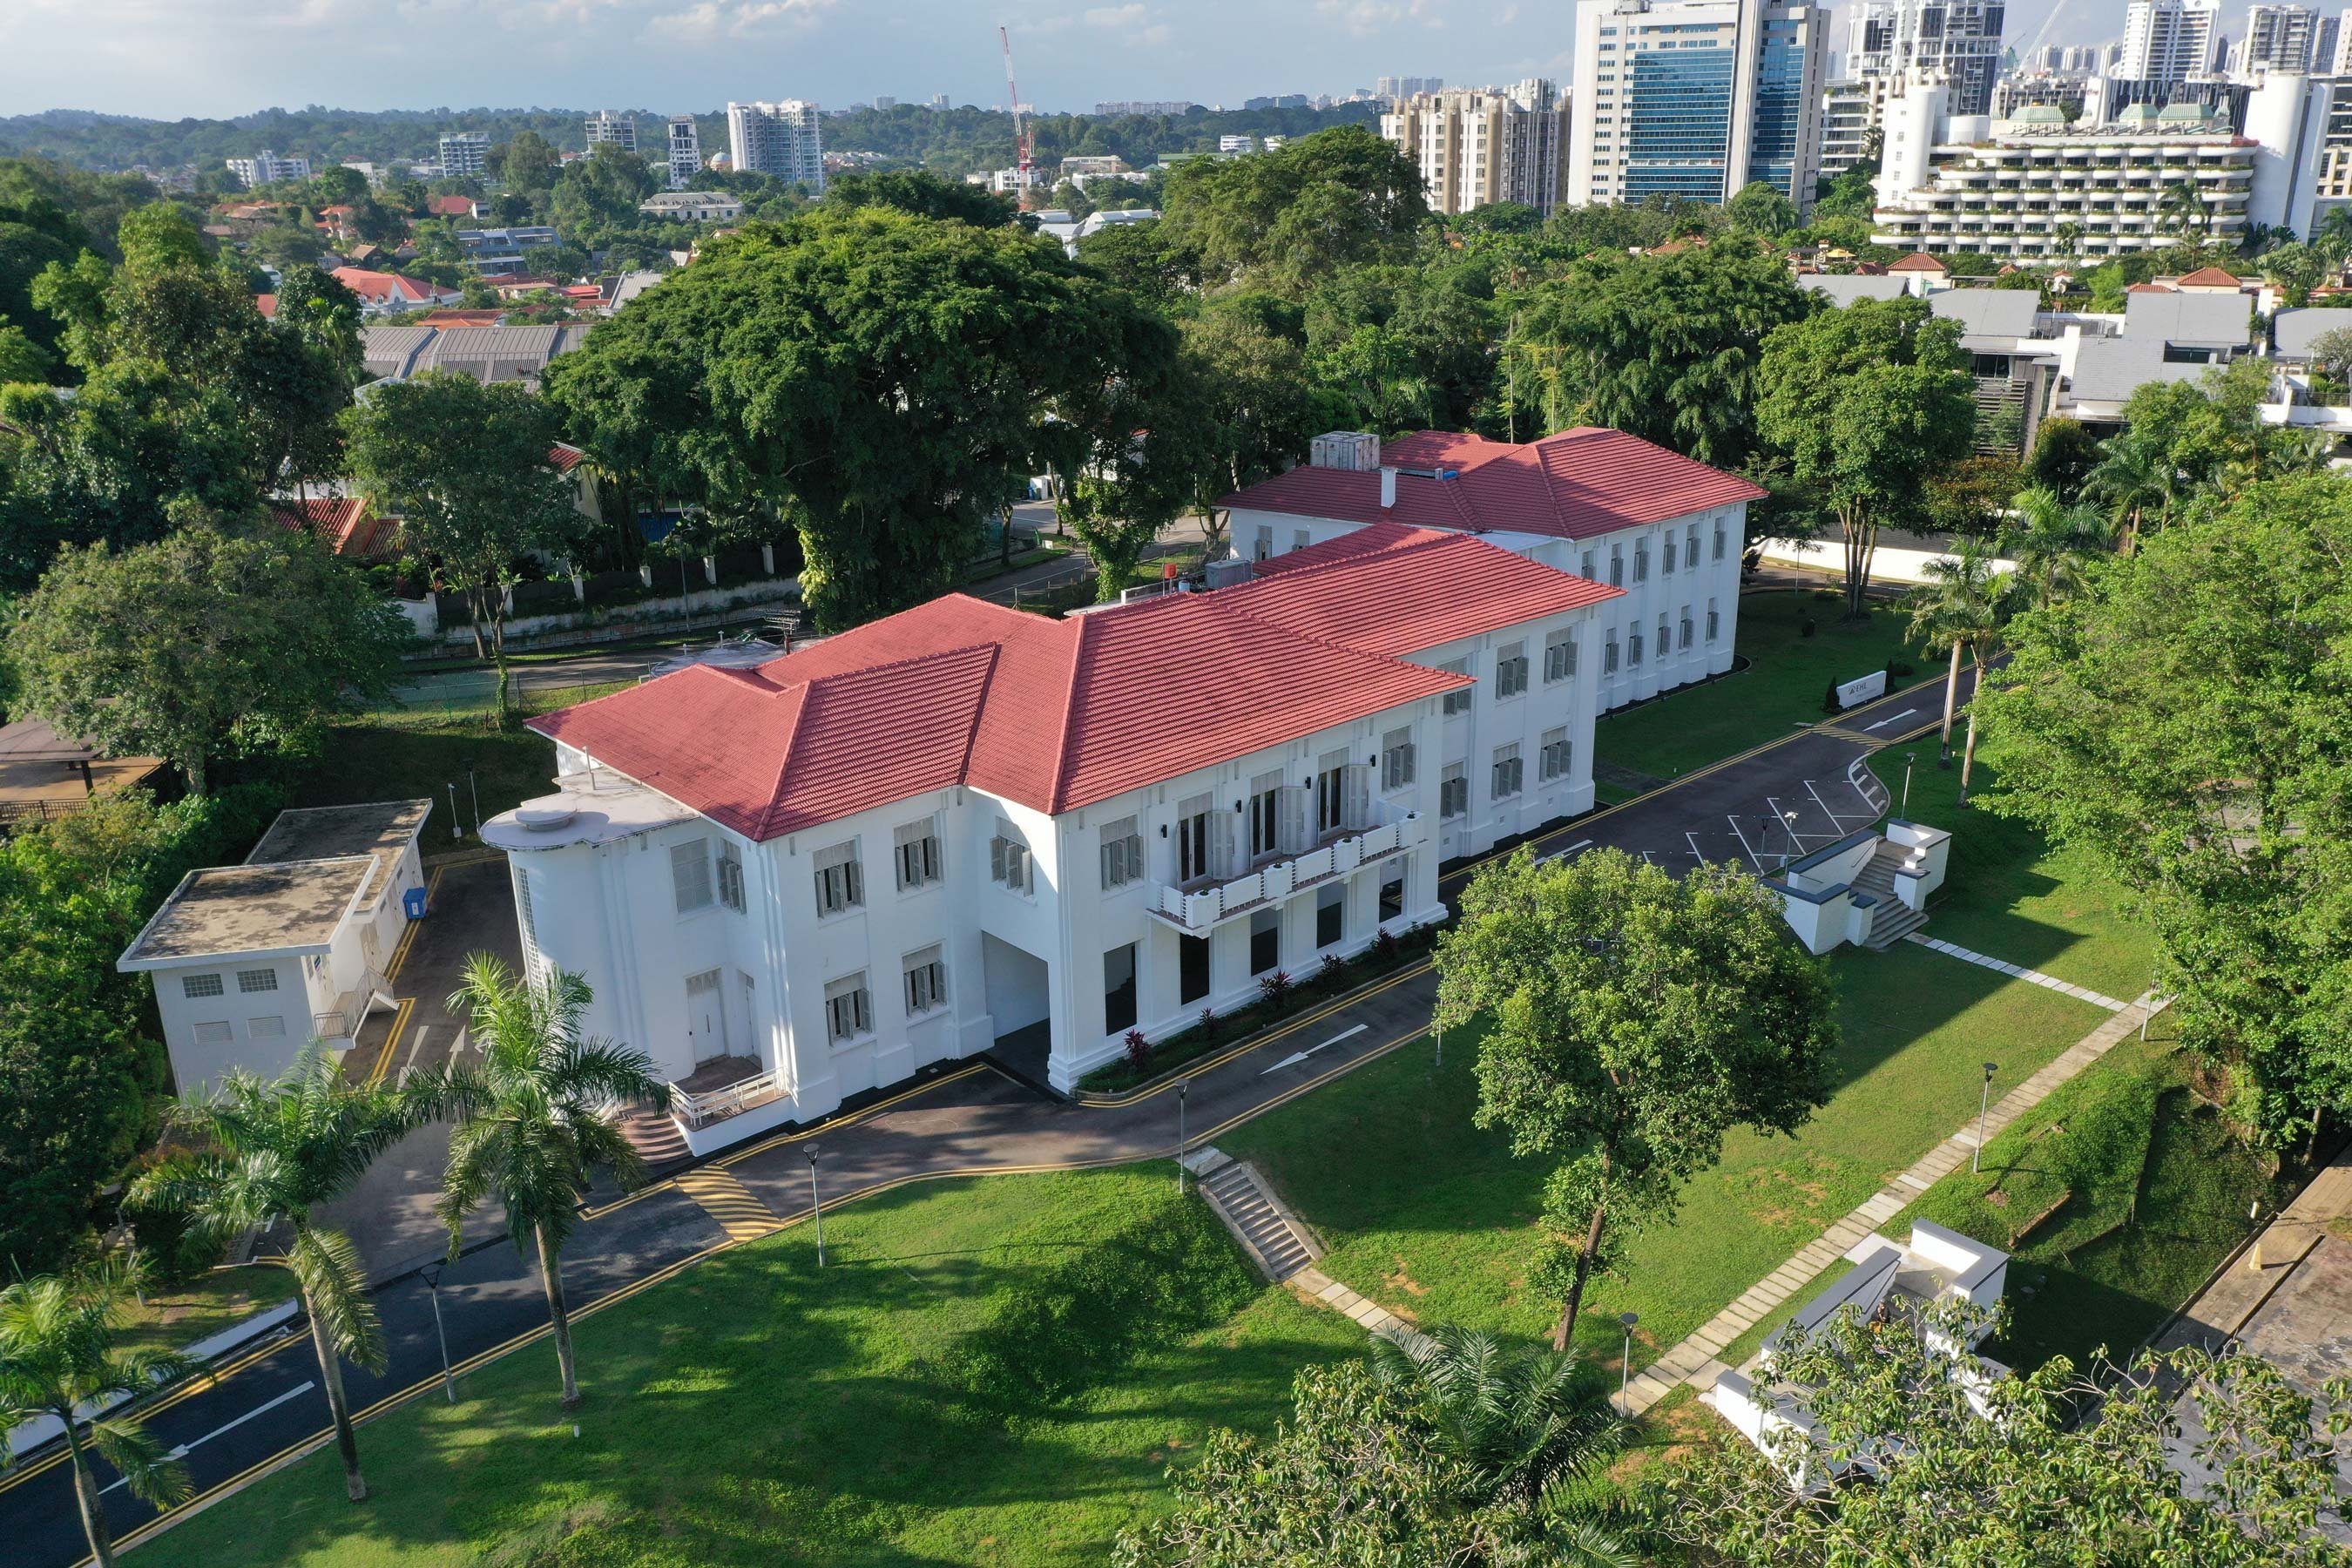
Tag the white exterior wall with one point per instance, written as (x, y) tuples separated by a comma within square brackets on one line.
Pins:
[(1715, 581), (304, 987)]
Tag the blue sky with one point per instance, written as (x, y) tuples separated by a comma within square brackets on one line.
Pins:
[(166, 58)]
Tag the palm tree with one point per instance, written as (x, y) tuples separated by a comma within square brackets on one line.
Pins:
[(2054, 544), (2070, 239), (2137, 484), (2334, 236), (270, 1154), (532, 1121), (2185, 209), (1962, 607), (1522, 1422), (58, 1359)]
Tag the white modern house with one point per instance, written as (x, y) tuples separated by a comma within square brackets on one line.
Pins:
[(252, 963), (963, 827), (1611, 508)]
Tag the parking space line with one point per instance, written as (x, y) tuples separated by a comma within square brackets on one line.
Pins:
[(1696, 853), (1754, 860)]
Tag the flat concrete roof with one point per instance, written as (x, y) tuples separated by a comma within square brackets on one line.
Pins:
[(247, 911), (383, 829), (39, 767)]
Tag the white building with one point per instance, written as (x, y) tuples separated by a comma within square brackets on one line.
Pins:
[(266, 168), (777, 139), (961, 826), (1957, 41), (1477, 146), (608, 125), (1599, 503), (2278, 38), (1696, 98), (465, 154), (251, 963), (1234, 145), (693, 206), (2170, 40), (685, 152)]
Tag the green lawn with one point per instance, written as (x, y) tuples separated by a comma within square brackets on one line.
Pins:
[(178, 1317), (2009, 894), (383, 760), (1430, 1218), (993, 1371), (1782, 687)]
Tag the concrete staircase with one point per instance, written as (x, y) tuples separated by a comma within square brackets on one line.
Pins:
[(1279, 1242), (1890, 921), (657, 1139)]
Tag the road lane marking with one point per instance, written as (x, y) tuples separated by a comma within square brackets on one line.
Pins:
[(1564, 854), (391, 1038), (264, 1408), (1892, 719), (1295, 1058)]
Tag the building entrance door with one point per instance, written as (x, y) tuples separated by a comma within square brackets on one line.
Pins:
[(706, 1016)]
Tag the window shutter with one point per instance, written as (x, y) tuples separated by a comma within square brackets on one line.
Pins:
[(996, 848)]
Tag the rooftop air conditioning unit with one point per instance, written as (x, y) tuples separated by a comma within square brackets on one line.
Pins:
[(1357, 451)]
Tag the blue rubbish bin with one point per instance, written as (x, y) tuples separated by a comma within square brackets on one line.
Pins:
[(413, 902)]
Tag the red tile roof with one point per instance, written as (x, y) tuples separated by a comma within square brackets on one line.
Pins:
[(1918, 261), (453, 317), (449, 206), (385, 286), (2208, 277), (1574, 485), (565, 456), (267, 304), (345, 522)]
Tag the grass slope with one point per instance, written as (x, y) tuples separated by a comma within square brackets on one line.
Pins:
[(1788, 675), (987, 1371), (178, 1317)]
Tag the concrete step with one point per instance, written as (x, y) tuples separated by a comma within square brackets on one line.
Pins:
[(1892, 923), (1282, 1248)]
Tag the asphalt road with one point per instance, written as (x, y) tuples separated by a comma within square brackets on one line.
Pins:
[(962, 1119)]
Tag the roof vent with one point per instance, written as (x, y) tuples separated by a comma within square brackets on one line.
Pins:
[(544, 818), (1226, 574)]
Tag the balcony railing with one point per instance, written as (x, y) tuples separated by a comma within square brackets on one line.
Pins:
[(341, 1022), (1202, 908), (697, 1109)]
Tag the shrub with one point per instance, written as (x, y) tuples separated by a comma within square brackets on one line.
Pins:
[(1334, 975), (1276, 989), (1209, 1022), (1805, 627), (1384, 948), (1139, 1050), (1829, 703), (1900, 669)]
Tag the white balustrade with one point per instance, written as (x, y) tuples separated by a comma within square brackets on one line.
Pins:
[(1202, 907)]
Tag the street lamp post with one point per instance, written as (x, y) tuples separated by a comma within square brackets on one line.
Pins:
[(1789, 820), (473, 784), (1984, 1105), (433, 1282), (1909, 758), (1183, 1091), (1625, 1367), (456, 822), (816, 1203)]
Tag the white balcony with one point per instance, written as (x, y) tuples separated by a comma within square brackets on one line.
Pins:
[(1204, 904)]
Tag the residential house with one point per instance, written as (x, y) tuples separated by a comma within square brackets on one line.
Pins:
[(488, 353), (387, 293), (962, 828), (252, 962), (693, 206), (1597, 503)]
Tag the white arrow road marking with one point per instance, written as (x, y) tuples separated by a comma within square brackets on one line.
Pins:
[(1564, 854), (182, 1451), (1884, 723), (1295, 1058), (415, 1043)]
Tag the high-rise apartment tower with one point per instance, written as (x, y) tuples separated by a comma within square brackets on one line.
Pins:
[(779, 139)]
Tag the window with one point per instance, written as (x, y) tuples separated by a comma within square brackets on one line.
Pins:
[(1299, 539), (1192, 968), (1509, 771), (1642, 560), (1453, 791), (1396, 759), (730, 878), (194, 985), (1587, 573), (1633, 649), (840, 880), (1690, 545), (271, 1028), (1666, 555), (1687, 628), (848, 1010), (1008, 858), (690, 875), (213, 1033), (1458, 700), (523, 909), (1266, 941), (1616, 566), (918, 855), (1719, 542), (249, 981), (1560, 656), (1122, 853), (1609, 653), (1264, 546), (1552, 763), (1330, 913), (1265, 815), (1192, 839), (1511, 670), (1710, 620), (927, 982), (1666, 638), (1392, 893)]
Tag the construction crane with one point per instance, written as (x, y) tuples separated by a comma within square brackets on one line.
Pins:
[(1020, 149)]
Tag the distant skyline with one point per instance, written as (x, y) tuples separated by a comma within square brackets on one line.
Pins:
[(170, 59)]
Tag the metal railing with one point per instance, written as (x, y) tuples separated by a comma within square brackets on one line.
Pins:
[(698, 1110), (1200, 910)]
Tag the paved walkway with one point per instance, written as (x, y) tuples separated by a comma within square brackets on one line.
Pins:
[(2033, 975), (1694, 1361)]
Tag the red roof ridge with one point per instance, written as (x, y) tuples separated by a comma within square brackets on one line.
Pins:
[(773, 806), (1063, 765)]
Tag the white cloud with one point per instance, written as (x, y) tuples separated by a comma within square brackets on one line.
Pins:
[(1114, 16), (737, 19)]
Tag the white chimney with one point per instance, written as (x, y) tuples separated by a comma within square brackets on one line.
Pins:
[(1388, 486)]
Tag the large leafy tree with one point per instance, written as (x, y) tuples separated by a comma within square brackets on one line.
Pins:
[(1667, 347), (1866, 404), (1962, 609), (884, 380), (2186, 721), (469, 469), (268, 1154), (202, 646), (1255, 412), (923, 194), (1285, 220), (1634, 1019), (58, 1359), (2057, 1470), (534, 1122)]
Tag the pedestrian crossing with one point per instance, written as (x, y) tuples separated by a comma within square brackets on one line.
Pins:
[(738, 1210)]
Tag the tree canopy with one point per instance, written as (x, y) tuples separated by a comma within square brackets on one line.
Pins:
[(1287, 219)]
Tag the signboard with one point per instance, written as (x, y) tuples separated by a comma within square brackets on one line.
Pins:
[(1868, 688)]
